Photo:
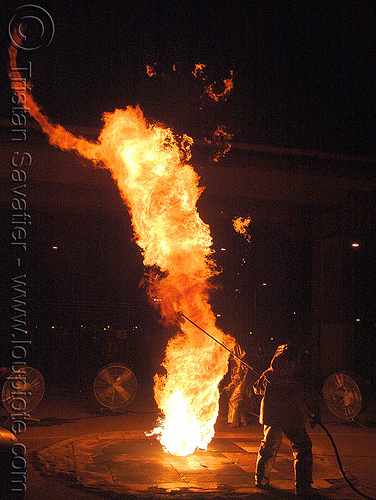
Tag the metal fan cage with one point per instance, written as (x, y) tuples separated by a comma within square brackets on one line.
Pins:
[(115, 386), (22, 390), (342, 395)]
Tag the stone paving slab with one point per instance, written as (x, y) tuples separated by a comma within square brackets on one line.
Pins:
[(131, 464)]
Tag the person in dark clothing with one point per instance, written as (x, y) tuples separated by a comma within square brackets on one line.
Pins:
[(285, 388)]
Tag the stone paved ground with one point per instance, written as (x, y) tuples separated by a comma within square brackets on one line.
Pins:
[(133, 465)]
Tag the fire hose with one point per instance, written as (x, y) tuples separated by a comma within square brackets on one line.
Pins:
[(340, 463), (220, 343), (318, 421)]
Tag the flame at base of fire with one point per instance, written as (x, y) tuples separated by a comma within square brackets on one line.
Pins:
[(180, 432), (188, 394)]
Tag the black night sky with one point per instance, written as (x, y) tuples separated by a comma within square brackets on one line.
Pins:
[(304, 78), (303, 72)]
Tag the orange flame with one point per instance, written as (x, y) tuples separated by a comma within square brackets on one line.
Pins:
[(228, 86), (240, 225), (199, 70), (150, 70), (161, 190), (222, 141)]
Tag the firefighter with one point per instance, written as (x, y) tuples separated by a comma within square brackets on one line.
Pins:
[(285, 388), (236, 389)]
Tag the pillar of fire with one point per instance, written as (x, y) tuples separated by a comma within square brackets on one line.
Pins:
[(160, 189)]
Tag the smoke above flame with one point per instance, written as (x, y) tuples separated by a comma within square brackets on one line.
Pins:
[(160, 189)]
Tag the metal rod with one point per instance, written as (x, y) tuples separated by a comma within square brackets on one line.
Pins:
[(218, 342)]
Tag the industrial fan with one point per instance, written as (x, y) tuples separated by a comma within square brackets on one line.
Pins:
[(23, 390), (343, 395), (115, 386)]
